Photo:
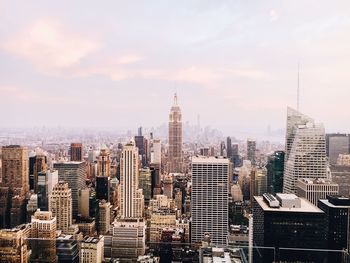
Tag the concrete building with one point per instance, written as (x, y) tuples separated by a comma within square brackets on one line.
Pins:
[(175, 159), (13, 186), (126, 240), (32, 206), (73, 173), (60, 204), (46, 181), (104, 163), (131, 197), (209, 202), (39, 165), (251, 151), (341, 175), (305, 150), (316, 189), (168, 185), (43, 235), (336, 144), (163, 218), (13, 244), (91, 250), (286, 222), (343, 159), (156, 152), (104, 219), (76, 152)]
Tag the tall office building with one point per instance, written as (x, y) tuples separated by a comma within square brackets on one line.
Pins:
[(43, 237), (275, 170), (305, 150), (73, 173), (131, 197), (337, 209), (175, 139), (229, 150), (292, 225), (251, 150), (145, 183), (60, 204), (46, 181), (140, 142), (156, 152), (156, 183), (14, 185), (209, 201), (336, 144), (316, 189), (76, 152), (39, 165), (13, 244), (104, 218), (104, 163), (341, 176)]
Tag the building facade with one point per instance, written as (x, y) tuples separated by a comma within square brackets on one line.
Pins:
[(175, 159), (209, 201)]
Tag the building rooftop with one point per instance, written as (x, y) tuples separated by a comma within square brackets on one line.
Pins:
[(316, 181), (305, 205), (209, 159)]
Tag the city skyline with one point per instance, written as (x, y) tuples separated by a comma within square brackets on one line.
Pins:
[(240, 59)]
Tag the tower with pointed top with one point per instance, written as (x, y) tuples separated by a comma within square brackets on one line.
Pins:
[(175, 139)]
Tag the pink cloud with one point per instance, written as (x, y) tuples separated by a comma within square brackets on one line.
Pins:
[(50, 46)]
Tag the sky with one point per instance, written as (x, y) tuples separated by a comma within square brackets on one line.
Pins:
[(117, 64)]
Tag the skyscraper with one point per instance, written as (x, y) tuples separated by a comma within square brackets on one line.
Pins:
[(60, 204), (40, 165), (131, 197), (210, 199), (43, 235), (229, 149), (14, 185), (275, 169), (305, 150), (76, 152), (46, 181), (175, 139), (251, 149), (73, 173)]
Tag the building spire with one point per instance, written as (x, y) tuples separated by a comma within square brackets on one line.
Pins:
[(175, 99)]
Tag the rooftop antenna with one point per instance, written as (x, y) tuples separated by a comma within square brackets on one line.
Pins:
[(175, 98), (298, 88)]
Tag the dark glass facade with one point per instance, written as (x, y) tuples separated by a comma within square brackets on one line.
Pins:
[(275, 168)]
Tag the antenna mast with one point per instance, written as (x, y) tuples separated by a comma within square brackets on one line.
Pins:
[(298, 89)]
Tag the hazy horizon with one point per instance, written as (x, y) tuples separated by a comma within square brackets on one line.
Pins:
[(117, 64)]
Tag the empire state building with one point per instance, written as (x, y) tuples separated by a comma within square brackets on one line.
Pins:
[(175, 139)]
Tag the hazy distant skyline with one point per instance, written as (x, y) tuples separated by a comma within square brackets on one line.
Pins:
[(118, 63)]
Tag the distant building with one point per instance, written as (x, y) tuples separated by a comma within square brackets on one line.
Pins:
[(286, 222), (337, 211), (316, 189), (341, 176), (336, 144), (343, 159), (275, 170), (175, 139), (92, 249), (39, 165), (156, 152), (229, 150), (60, 204), (251, 151), (76, 152), (209, 202), (73, 173), (168, 185), (305, 150), (43, 235), (32, 206), (145, 183), (104, 163)]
